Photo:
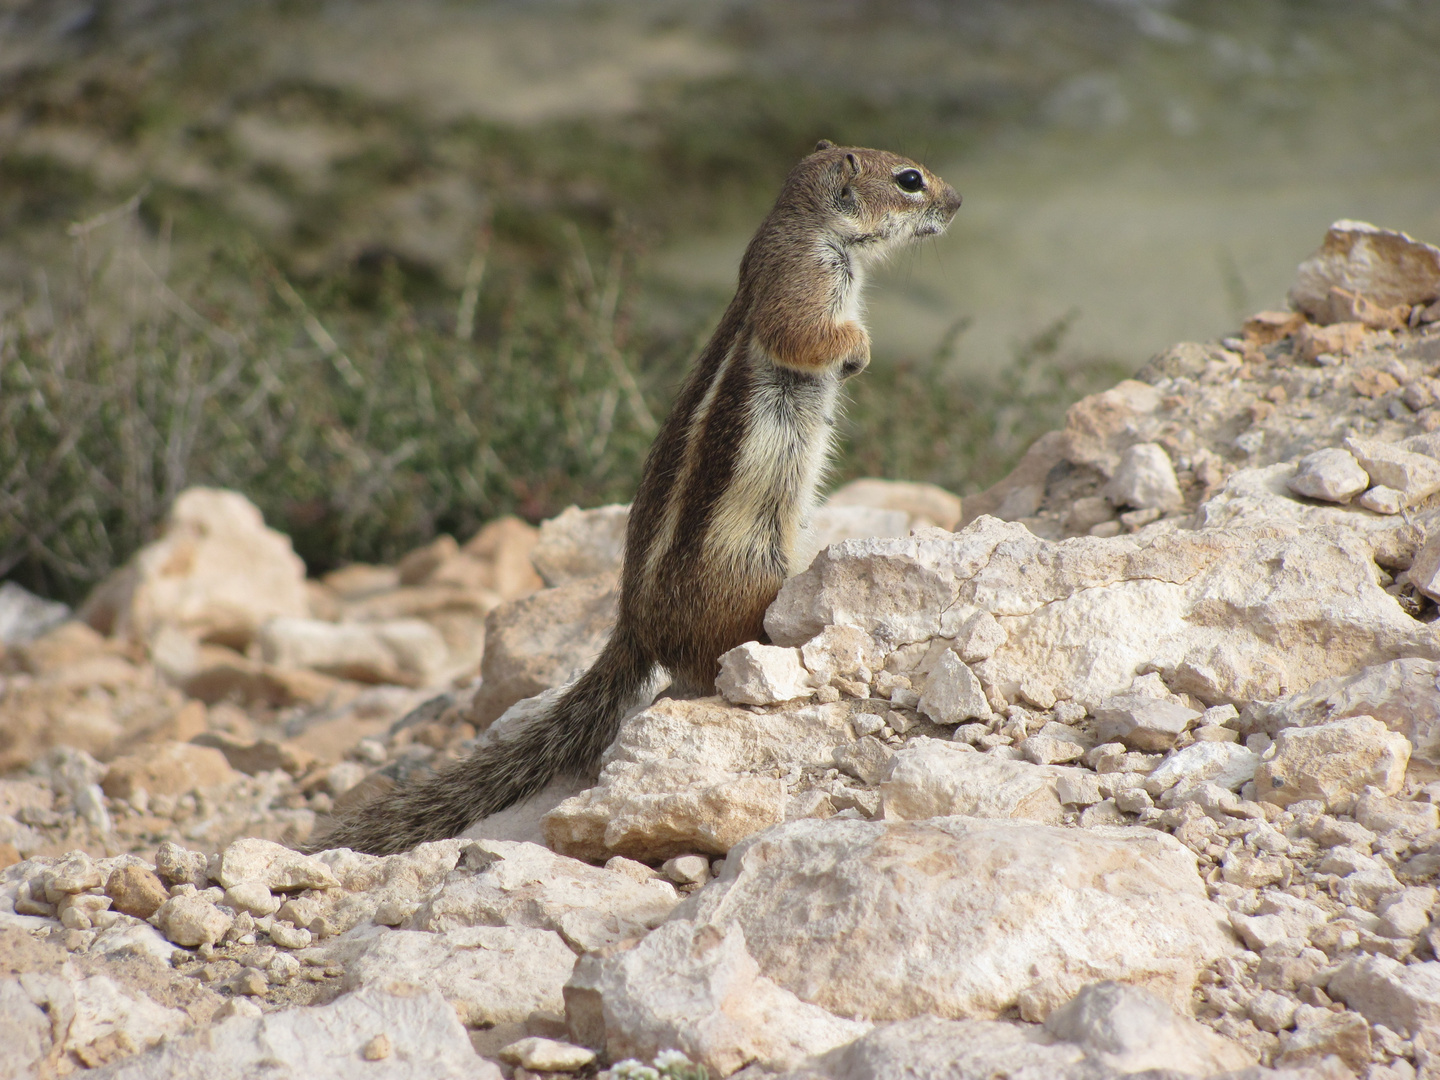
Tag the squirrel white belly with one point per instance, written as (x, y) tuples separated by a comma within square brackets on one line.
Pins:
[(726, 489)]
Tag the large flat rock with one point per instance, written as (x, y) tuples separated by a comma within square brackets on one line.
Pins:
[(963, 917), (1228, 615), (423, 1040)]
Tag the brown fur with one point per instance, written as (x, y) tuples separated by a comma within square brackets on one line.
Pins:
[(725, 492)]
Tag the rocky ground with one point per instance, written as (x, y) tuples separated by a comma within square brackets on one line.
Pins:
[(1137, 769)]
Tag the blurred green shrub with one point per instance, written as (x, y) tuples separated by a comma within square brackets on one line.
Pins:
[(360, 432), (928, 419)]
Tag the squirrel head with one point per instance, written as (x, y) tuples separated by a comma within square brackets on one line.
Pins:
[(871, 201)]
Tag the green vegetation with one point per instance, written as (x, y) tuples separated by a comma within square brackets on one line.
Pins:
[(924, 420), (359, 432)]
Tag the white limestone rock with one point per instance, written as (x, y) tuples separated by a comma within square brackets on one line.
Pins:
[(1142, 722), (538, 642), (252, 896), (321, 1043), (1364, 888), (280, 868), (654, 810), (1414, 476), (547, 1055), (1424, 572), (1129, 1033), (924, 504), (1078, 787), (695, 988), (755, 674), (1226, 615), (1403, 997), (706, 731), (933, 1049), (374, 888), (929, 1048), (491, 975), (1271, 1011), (1331, 474), (1403, 694), (1262, 496), (693, 776), (1130, 1030), (962, 917), (867, 759), (978, 638), (1332, 760), (1098, 428), (578, 544), (1041, 749), (25, 1029), (844, 651), (1383, 265), (931, 778), (410, 652), (216, 573), (1278, 917), (1344, 860), (95, 1016), (1382, 499), (686, 870), (191, 921), (1227, 764), (1145, 480), (74, 873), (497, 883), (1397, 818), (1343, 1036), (1427, 443), (133, 939), (895, 589), (1406, 914), (953, 694)]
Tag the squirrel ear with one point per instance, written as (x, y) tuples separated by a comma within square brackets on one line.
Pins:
[(824, 144), (854, 165)]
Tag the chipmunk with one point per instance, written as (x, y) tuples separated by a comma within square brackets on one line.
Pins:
[(726, 490)]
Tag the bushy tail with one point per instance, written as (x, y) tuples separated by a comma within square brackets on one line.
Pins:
[(570, 737)]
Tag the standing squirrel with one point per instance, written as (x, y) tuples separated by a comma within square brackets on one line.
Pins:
[(726, 490)]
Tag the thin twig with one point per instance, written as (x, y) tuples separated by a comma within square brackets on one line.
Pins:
[(84, 228), (470, 291), (318, 334)]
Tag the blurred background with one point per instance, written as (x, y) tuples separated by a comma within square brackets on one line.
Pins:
[(396, 267)]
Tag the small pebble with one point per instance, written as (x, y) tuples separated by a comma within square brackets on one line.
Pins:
[(252, 982), (546, 1055), (686, 869), (1382, 500)]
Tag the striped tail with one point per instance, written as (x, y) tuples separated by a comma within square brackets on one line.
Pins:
[(570, 737)]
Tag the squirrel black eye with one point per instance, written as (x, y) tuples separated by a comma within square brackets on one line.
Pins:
[(910, 180)]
